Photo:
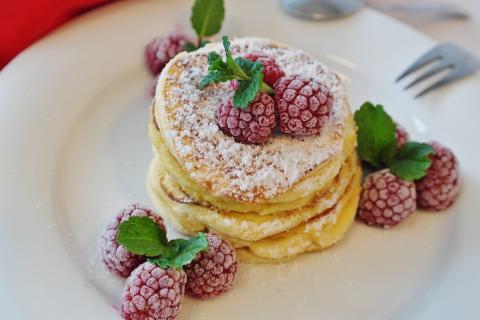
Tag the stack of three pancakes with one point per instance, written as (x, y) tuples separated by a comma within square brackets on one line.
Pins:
[(272, 201)]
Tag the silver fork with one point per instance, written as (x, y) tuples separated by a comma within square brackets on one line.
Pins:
[(445, 56)]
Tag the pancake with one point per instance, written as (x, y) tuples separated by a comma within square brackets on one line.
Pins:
[(246, 226), (249, 174), (273, 201), (321, 231)]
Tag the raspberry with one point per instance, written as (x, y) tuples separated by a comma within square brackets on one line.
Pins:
[(254, 124), (386, 200), (439, 189), (401, 136), (271, 72), (212, 272), (152, 293), (160, 50), (116, 257), (303, 105)]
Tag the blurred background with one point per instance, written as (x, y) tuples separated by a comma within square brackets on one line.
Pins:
[(23, 22)]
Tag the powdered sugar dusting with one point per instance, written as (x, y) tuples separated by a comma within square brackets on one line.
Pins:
[(223, 166)]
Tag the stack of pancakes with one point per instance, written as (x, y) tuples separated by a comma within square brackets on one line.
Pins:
[(272, 201)]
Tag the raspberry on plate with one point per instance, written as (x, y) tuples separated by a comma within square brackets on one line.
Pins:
[(401, 136), (439, 188), (253, 125), (212, 272), (386, 200), (160, 50), (153, 293), (303, 105), (271, 72), (116, 257)]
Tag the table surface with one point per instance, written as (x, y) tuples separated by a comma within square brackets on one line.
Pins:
[(463, 32)]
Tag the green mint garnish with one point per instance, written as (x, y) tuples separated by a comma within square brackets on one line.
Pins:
[(377, 145), (207, 17), (189, 47), (142, 236), (411, 161), (187, 250), (376, 134), (248, 73)]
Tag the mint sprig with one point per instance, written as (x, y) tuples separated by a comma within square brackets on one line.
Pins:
[(207, 18), (377, 145), (142, 236), (186, 251), (249, 74)]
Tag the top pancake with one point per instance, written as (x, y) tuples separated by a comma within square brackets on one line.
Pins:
[(248, 173)]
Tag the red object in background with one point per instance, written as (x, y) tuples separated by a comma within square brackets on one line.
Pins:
[(22, 22)]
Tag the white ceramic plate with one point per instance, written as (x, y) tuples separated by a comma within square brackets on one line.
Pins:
[(74, 149)]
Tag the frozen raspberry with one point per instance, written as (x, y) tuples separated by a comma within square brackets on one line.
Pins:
[(271, 72), (386, 200), (253, 125), (212, 272), (303, 105), (153, 293), (160, 50), (401, 136), (439, 188), (116, 257)]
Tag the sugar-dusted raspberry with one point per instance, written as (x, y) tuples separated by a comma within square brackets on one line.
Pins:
[(386, 200), (303, 105), (439, 188), (160, 50), (153, 293), (271, 71), (212, 272), (117, 259), (401, 136), (253, 125)]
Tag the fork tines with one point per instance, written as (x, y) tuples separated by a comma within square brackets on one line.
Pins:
[(447, 55)]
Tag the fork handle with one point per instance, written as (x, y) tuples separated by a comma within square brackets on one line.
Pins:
[(429, 10)]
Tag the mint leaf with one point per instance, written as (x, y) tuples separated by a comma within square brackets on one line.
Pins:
[(231, 62), (207, 17), (203, 43), (187, 251), (226, 46), (376, 134), (248, 90), (218, 70), (245, 64), (412, 161), (142, 236), (214, 57), (189, 47)]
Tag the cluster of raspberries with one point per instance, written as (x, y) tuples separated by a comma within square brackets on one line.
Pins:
[(387, 200), (152, 292), (300, 107)]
